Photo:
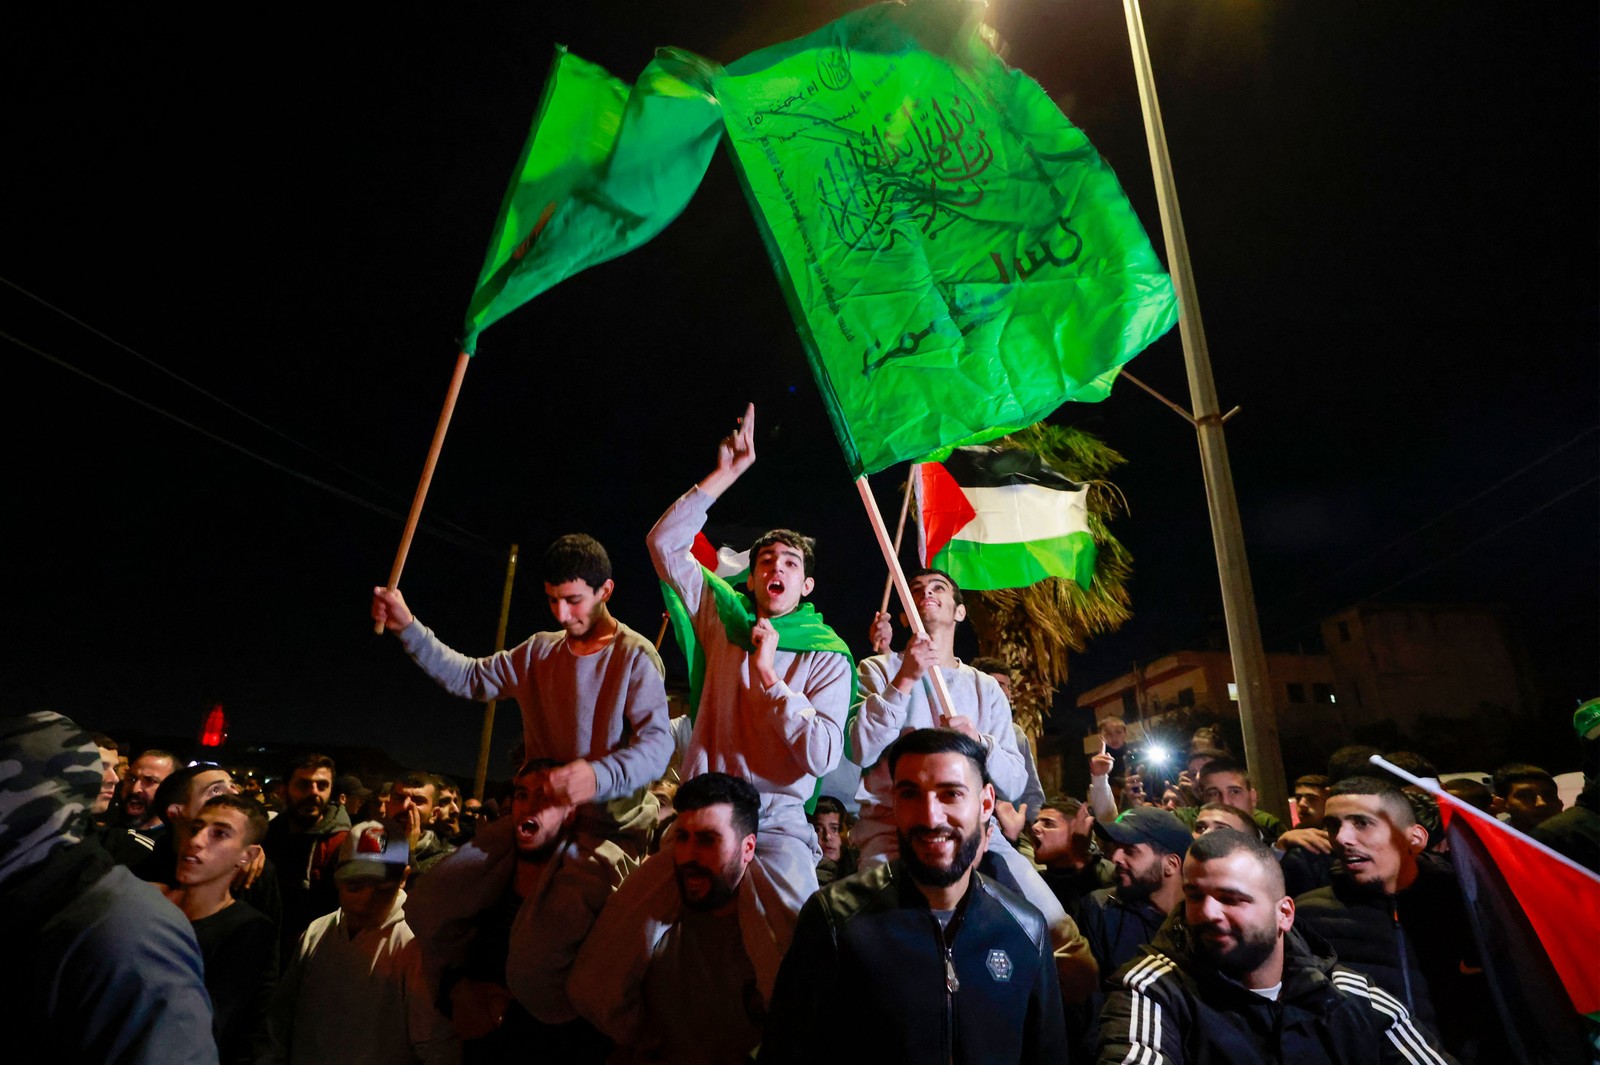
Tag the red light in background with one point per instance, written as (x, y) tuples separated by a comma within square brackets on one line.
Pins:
[(214, 733)]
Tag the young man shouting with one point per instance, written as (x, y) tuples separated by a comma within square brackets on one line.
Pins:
[(770, 686)]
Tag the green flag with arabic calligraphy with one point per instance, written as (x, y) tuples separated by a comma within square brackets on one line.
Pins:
[(958, 258), (604, 169)]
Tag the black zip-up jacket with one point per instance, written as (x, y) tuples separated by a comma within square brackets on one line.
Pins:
[(982, 989), (1413, 945), (1172, 1007)]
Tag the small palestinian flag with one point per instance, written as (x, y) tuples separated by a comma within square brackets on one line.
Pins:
[(996, 517), (732, 566)]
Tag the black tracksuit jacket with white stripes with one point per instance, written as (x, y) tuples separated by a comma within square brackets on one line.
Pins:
[(1171, 1006)]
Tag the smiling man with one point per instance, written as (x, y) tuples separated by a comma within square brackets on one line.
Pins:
[(1228, 979), (937, 961), (770, 687)]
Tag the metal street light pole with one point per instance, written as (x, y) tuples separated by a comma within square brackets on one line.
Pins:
[(1257, 718)]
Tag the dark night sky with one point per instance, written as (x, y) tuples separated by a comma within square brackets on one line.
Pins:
[(1392, 213)]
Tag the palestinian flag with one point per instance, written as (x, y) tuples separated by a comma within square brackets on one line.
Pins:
[(996, 517), (731, 565), (1535, 916)]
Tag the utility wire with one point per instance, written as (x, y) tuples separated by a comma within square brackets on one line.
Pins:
[(476, 545), (114, 342), (1437, 518), (1436, 563)]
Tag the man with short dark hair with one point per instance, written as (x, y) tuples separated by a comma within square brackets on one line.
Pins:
[(939, 962), (832, 824), (1397, 919), (1228, 979), (1225, 780), (303, 845), (1215, 815), (500, 888), (237, 941), (411, 806), (1063, 842), (145, 775), (1310, 793), (1575, 832), (699, 999), (1526, 795), (1146, 847)]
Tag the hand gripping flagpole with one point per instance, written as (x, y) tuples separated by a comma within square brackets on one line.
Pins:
[(427, 477), (897, 575)]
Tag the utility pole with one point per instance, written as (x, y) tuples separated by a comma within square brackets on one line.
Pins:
[(1257, 718)]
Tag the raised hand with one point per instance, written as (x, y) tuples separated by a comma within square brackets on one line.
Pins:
[(882, 632)]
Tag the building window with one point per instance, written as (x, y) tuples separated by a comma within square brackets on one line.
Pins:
[(1233, 692), (1130, 705), (1186, 697), (1344, 632), (1322, 693), (1297, 693)]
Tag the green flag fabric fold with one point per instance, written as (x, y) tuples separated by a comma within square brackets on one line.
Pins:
[(958, 258), (603, 170)]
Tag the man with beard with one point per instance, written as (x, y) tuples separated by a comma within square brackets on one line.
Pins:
[(1146, 846), (139, 789), (897, 697), (303, 844), (699, 996), (939, 962), (1228, 979), (499, 889)]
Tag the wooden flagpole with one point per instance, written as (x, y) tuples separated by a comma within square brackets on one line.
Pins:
[(482, 772), (899, 531), (427, 477), (898, 577)]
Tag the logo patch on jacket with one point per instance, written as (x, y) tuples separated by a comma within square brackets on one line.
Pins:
[(999, 966)]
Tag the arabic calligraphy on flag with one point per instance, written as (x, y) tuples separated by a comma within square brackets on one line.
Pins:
[(958, 258)]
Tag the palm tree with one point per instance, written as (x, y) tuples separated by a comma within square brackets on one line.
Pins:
[(1034, 629)]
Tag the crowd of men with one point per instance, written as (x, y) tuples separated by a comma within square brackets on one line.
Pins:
[(676, 890)]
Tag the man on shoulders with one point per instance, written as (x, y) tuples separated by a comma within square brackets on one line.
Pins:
[(1228, 979), (770, 687), (939, 962)]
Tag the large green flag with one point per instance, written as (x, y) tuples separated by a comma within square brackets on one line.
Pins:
[(958, 258), (603, 170)]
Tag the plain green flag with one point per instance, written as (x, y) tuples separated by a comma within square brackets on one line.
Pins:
[(958, 258), (603, 170)]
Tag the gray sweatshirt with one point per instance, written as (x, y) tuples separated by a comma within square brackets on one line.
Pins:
[(886, 714), (781, 738), (608, 708)]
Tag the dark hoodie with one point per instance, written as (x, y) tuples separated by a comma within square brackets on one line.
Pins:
[(1171, 1005), (107, 969)]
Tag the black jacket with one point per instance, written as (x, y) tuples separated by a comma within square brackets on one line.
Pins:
[(1171, 1006), (1412, 945), (982, 990)]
